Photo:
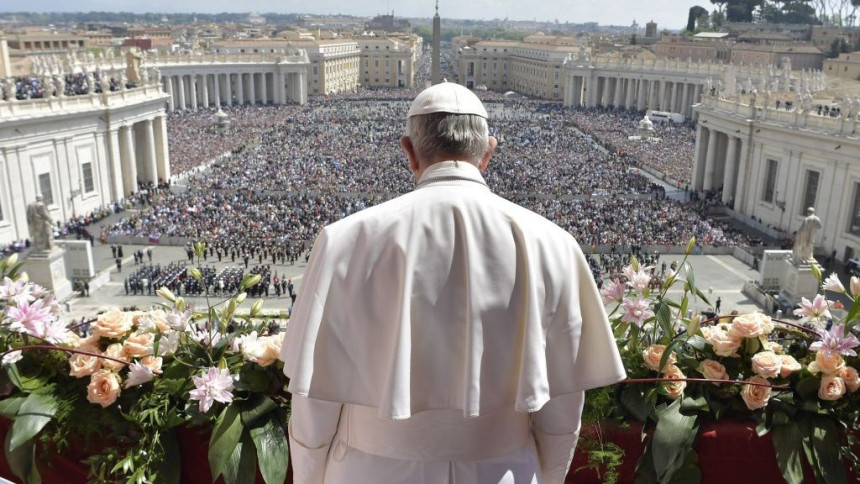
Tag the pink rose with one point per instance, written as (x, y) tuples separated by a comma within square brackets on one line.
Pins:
[(788, 366), (139, 344), (114, 350), (750, 325), (159, 319), (674, 390), (832, 388), (723, 343), (103, 388), (112, 324), (713, 370), (827, 363), (766, 364), (756, 396), (850, 376), (653, 354), (153, 363), (83, 365)]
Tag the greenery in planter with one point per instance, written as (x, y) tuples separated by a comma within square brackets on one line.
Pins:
[(796, 380), (140, 376)]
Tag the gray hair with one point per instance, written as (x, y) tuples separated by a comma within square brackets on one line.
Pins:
[(446, 134)]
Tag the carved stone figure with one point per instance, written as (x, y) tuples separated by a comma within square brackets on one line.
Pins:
[(39, 224), (804, 241)]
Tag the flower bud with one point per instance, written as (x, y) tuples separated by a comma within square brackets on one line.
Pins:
[(199, 247), (240, 298), (816, 271), (255, 309), (195, 273), (690, 246), (166, 294), (855, 286), (253, 280), (11, 260), (24, 277)]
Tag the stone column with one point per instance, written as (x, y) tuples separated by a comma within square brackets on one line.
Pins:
[(302, 87), (129, 163), (168, 88), (279, 88), (640, 96), (264, 95), (729, 177), (230, 86), (162, 155), (686, 105), (708, 183), (674, 107), (204, 85), (742, 190), (631, 85), (240, 89), (150, 169), (252, 92), (698, 159), (619, 93), (217, 87), (181, 80), (115, 165), (192, 83)]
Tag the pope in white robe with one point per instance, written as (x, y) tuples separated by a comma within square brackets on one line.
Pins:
[(447, 335)]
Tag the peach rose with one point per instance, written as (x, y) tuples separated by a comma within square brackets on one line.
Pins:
[(756, 396), (653, 354), (139, 344), (273, 345), (788, 366), (674, 390), (713, 370), (827, 363), (103, 388), (771, 346), (83, 365), (766, 364), (112, 324), (850, 376), (723, 343), (114, 350), (750, 325), (159, 319), (153, 363), (832, 388)]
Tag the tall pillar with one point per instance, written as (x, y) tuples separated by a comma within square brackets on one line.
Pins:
[(115, 165), (168, 88), (729, 176), (631, 85), (743, 191), (708, 183), (129, 163), (192, 83), (181, 81), (252, 91), (231, 86), (640, 97), (617, 101), (302, 87), (674, 107), (162, 155), (240, 89), (216, 79), (686, 105), (150, 169), (204, 85), (264, 95), (281, 95)]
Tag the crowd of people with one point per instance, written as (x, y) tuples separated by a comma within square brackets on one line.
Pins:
[(28, 87), (290, 170)]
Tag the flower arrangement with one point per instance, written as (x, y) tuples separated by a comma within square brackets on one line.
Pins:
[(140, 376), (795, 379)]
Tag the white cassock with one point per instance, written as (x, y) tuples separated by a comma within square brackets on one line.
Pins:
[(446, 335)]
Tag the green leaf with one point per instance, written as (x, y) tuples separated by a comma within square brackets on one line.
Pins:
[(673, 439), (272, 452), (256, 408), (690, 472), (668, 351), (853, 313), (787, 445), (691, 278), (35, 412), (697, 342), (807, 388), (9, 406), (22, 382), (253, 379), (241, 467), (225, 438), (664, 317), (633, 400), (22, 460), (825, 438)]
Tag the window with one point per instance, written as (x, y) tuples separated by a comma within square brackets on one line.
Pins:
[(854, 226), (87, 169), (810, 192), (770, 181), (45, 187)]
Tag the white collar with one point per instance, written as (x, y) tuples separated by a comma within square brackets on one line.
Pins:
[(451, 170)]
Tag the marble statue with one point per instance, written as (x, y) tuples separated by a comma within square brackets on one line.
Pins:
[(40, 226), (804, 241)]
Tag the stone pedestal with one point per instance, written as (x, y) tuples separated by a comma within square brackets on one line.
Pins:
[(48, 269), (799, 281)]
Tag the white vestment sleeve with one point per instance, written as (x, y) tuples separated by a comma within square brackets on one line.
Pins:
[(313, 424), (556, 430)]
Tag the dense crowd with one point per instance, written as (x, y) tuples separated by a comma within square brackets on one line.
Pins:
[(293, 169), (22, 88)]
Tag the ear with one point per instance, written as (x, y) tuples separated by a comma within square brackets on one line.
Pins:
[(406, 144), (485, 160)]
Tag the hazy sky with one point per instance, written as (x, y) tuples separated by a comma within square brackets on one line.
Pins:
[(670, 14)]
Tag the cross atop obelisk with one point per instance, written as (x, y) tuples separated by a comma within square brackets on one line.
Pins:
[(435, 69)]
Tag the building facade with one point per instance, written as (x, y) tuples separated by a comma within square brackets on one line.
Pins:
[(388, 61), (80, 152), (770, 165)]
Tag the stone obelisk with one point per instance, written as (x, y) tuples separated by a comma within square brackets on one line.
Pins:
[(436, 70)]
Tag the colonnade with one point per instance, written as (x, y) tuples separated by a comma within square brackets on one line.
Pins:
[(193, 90), (719, 163), (640, 93), (138, 153)]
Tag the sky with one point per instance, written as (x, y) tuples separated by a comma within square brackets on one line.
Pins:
[(671, 14)]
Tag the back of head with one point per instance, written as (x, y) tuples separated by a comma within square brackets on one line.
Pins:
[(448, 121)]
